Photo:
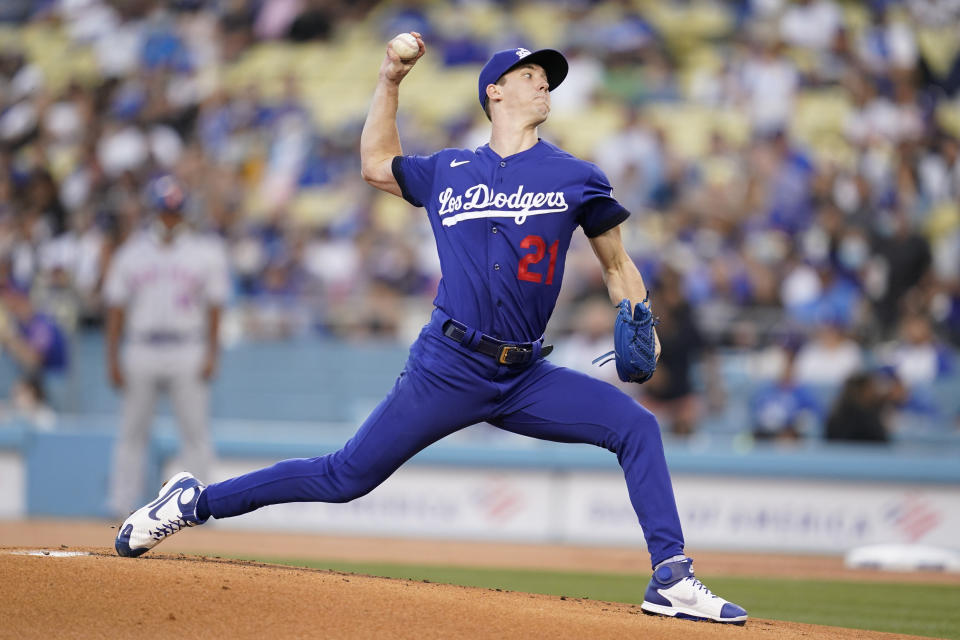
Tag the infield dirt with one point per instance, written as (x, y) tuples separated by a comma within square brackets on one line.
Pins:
[(165, 594)]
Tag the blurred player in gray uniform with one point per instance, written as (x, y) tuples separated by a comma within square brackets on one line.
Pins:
[(164, 290)]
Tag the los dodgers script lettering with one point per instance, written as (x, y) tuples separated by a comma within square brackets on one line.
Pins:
[(479, 201)]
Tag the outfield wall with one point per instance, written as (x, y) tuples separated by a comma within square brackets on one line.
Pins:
[(486, 485)]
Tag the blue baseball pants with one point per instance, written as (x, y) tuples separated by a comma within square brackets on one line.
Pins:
[(443, 388)]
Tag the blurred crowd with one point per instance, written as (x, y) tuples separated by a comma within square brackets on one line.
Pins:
[(814, 229)]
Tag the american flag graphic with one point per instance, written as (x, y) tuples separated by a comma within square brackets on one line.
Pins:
[(913, 516), (499, 500)]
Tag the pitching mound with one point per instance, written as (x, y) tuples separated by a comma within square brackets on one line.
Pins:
[(90, 592)]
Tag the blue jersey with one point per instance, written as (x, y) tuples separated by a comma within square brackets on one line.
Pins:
[(43, 334), (503, 227)]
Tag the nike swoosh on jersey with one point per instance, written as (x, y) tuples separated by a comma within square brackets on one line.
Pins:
[(457, 163)]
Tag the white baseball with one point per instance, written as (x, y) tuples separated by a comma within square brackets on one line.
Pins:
[(405, 46)]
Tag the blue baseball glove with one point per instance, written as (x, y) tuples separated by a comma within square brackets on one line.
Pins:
[(634, 342)]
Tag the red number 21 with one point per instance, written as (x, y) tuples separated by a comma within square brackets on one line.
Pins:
[(539, 248)]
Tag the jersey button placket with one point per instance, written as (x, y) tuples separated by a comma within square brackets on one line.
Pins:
[(495, 230)]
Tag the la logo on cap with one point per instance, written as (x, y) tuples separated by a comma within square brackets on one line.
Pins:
[(522, 53)]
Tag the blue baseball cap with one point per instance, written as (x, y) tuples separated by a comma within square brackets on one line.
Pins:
[(167, 194), (552, 62)]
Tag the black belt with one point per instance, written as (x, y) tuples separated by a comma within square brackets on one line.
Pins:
[(503, 352), (165, 337)]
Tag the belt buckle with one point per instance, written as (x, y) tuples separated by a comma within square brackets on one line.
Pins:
[(506, 349)]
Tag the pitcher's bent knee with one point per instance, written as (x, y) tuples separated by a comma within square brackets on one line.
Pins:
[(636, 427)]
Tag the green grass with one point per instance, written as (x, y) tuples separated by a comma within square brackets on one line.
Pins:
[(926, 610)]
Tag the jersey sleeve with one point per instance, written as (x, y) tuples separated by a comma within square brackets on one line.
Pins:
[(116, 285), (218, 275), (415, 175), (599, 211)]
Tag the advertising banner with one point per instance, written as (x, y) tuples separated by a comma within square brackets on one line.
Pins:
[(772, 514), (430, 502), (717, 512)]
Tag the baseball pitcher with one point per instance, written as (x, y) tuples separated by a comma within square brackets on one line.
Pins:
[(503, 216)]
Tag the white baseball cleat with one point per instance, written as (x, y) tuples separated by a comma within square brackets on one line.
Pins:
[(174, 509), (674, 591)]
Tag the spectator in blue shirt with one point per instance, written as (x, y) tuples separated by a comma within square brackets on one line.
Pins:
[(784, 409), (34, 339)]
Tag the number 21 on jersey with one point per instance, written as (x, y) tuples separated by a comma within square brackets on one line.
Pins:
[(539, 247)]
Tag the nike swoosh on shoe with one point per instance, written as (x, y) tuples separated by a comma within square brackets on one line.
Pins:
[(690, 602), (162, 500)]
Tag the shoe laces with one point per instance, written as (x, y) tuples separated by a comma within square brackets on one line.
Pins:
[(699, 586), (169, 528)]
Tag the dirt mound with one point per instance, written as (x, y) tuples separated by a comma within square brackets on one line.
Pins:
[(97, 594)]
